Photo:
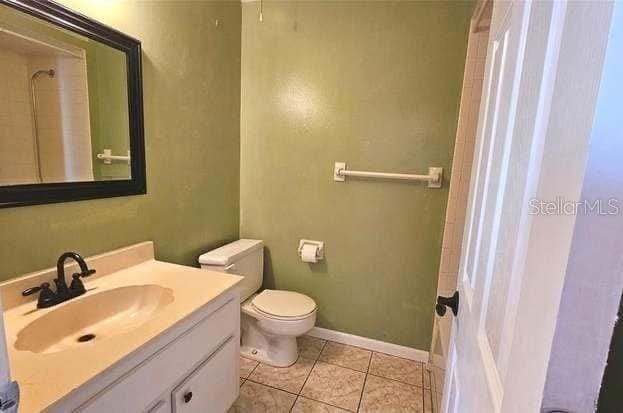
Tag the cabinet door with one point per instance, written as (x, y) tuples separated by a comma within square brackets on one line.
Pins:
[(213, 386)]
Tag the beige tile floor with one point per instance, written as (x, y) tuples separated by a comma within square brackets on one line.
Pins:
[(330, 377)]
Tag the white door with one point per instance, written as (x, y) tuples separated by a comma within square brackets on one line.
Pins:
[(520, 71)]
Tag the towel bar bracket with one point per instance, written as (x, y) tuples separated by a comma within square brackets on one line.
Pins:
[(337, 172)]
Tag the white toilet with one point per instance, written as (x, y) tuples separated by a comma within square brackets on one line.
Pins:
[(271, 320)]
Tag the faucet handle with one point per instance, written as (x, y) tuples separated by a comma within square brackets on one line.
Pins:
[(32, 290), (47, 298), (76, 285)]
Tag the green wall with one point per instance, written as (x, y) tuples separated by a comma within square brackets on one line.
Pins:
[(191, 83), (374, 84)]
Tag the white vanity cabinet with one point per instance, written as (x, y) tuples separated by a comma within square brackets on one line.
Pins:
[(164, 338), (195, 372)]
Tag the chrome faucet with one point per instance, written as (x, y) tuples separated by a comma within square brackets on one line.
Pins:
[(49, 298)]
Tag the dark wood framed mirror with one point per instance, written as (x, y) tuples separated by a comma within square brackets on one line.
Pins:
[(71, 107)]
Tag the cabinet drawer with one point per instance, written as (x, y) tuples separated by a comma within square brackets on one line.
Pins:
[(149, 380), (213, 387)]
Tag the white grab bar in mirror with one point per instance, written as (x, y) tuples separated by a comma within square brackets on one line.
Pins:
[(434, 177), (108, 157)]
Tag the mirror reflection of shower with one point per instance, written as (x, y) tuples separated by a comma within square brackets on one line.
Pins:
[(33, 93), (45, 120)]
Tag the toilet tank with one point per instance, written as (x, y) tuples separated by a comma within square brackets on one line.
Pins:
[(244, 257)]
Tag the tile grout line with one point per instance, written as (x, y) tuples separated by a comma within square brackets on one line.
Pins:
[(391, 355), (277, 388), (312, 369), (308, 374), (253, 369), (339, 365), (423, 390), (433, 391), (328, 404), (294, 404), (365, 379), (272, 387), (263, 384), (430, 389), (366, 374), (316, 362), (344, 367), (399, 381), (373, 351), (298, 395)]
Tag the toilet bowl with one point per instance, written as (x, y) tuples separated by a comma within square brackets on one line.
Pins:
[(268, 332), (270, 321)]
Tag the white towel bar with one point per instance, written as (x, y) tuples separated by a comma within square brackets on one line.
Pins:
[(108, 157), (434, 177)]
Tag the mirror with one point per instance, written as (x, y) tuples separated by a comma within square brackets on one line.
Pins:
[(70, 107)]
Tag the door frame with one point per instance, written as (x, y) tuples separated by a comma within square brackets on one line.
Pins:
[(594, 273)]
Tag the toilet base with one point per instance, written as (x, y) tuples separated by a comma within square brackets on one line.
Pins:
[(274, 350), (263, 356)]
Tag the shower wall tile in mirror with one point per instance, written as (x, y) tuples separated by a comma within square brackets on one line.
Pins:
[(63, 101)]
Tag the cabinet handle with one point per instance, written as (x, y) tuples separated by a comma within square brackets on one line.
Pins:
[(188, 397)]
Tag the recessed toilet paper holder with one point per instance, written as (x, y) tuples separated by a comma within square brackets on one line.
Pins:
[(318, 244)]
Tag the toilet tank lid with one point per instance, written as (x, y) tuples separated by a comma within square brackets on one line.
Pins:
[(230, 253)]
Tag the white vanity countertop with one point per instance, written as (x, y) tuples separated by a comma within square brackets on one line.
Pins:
[(46, 378)]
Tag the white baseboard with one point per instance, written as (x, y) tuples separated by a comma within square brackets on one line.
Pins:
[(370, 344)]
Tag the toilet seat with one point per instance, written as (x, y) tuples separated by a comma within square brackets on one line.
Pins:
[(283, 305)]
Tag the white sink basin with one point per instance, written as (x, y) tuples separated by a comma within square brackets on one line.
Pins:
[(93, 318)]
